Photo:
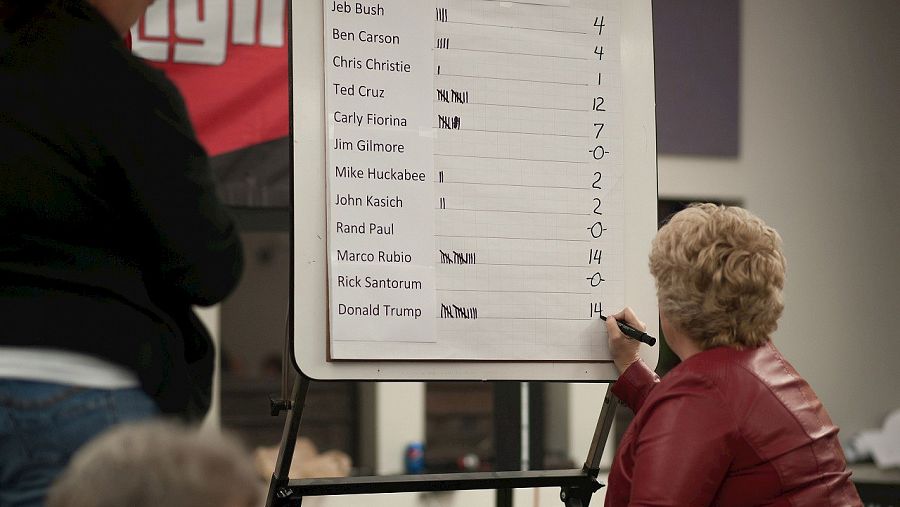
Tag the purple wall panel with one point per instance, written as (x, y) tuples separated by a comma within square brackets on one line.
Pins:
[(697, 47)]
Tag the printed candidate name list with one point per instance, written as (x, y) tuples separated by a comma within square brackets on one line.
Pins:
[(380, 162), (474, 156)]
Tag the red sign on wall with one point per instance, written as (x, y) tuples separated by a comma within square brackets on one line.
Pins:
[(229, 59)]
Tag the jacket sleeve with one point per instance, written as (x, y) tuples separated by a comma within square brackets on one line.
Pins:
[(683, 451), (189, 240), (634, 384)]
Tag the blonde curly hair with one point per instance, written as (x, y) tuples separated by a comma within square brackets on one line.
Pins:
[(719, 274)]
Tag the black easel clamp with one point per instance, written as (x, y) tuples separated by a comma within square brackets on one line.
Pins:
[(580, 495), (276, 406)]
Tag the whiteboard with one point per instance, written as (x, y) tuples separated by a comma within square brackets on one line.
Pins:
[(316, 139)]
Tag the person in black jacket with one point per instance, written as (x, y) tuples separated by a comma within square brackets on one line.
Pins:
[(110, 230)]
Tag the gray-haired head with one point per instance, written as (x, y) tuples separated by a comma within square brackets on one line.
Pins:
[(158, 464)]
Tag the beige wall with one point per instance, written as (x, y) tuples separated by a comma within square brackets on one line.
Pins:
[(820, 125)]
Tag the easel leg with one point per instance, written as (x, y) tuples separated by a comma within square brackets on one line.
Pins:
[(288, 440), (580, 496), (601, 433)]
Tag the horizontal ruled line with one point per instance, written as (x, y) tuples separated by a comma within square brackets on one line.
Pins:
[(514, 53), (510, 158), (588, 110), (511, 238), (552, 187), (516, 211), (382, 341), (586, 266), (530, 318), (516, 132), (567, 83), (517, 291), (518, 27)]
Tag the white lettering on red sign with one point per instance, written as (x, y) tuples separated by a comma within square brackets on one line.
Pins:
[(201, 29)]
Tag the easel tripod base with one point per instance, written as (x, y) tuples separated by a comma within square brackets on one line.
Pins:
[(578, 485)]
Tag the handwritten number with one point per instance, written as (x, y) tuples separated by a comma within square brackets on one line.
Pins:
[(597, 229), (597, 152), (599, 23), (595, 279)]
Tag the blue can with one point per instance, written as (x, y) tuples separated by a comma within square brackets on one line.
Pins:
[(414, 458)]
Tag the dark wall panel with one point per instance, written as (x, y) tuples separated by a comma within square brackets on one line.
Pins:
[(697, 49)]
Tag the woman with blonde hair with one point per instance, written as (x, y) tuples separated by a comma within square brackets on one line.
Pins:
[(734, 424)]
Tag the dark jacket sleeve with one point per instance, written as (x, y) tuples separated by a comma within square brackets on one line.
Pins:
[(188, 238)]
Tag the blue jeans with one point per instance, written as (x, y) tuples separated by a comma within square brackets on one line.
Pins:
[(43, 424)]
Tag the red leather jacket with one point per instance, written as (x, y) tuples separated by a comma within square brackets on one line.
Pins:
[(727, 427)]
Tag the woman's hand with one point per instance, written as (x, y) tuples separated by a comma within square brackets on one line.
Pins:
[(623, 349)]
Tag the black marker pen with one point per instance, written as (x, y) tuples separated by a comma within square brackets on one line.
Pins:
[(634, 333)]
